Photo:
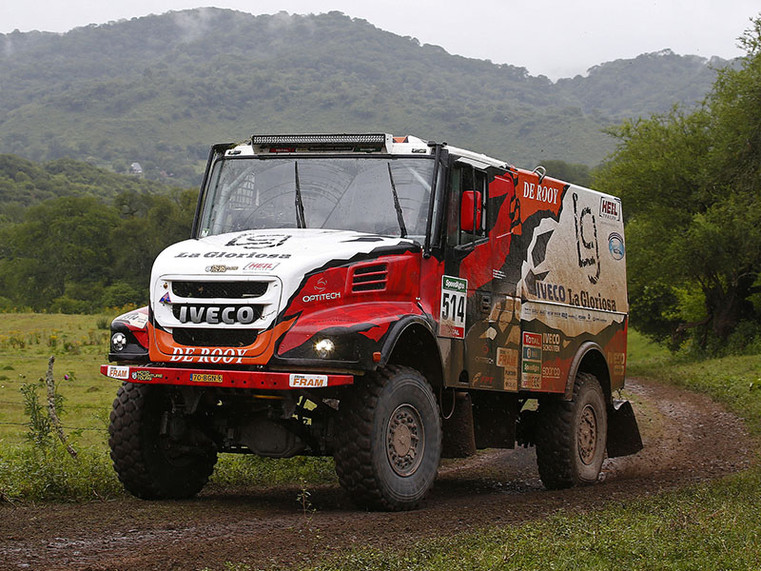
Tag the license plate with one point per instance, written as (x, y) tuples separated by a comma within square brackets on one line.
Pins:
[(205, 378)]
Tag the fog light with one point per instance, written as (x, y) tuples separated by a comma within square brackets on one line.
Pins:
[(118, 341), (324, 348)]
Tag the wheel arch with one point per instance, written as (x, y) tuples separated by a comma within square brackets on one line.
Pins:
[(590, 358), (413, 344)]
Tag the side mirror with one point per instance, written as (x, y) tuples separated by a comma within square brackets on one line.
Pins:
[(470, 211)]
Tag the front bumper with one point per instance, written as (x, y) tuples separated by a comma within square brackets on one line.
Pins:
[(264, 380)]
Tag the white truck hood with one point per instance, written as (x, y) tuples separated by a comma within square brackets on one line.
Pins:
[(279, 257)]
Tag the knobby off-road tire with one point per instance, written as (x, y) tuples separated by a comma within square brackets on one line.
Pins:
[(152, 466), (389, 440), (571, 436)]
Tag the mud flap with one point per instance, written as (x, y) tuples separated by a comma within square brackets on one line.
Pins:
[(623, 431)]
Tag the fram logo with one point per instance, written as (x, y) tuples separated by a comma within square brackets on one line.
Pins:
[(307, 381), (116, 372)]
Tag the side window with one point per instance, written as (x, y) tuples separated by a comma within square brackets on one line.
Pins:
[(468, 205)]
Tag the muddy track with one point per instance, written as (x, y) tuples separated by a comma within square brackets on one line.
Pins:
[(687, 438)]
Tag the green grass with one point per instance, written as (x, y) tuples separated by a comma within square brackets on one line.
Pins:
[(79, 344)]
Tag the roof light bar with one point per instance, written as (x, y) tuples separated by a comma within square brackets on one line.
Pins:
[(329, 139)]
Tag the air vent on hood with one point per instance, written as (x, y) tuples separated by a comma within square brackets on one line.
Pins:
[(370, 278)]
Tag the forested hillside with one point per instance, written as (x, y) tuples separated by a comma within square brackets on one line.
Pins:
[(159, 90), (76, 238)]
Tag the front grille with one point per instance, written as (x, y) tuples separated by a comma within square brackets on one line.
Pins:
[(224, 290), (370, 278), (214, 337)]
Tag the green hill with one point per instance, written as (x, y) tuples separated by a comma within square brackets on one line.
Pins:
[(159, 90)]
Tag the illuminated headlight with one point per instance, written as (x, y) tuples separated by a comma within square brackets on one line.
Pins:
[(324, 348), (118, 341)]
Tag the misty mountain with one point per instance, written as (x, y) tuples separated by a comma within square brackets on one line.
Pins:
[(159, 90)]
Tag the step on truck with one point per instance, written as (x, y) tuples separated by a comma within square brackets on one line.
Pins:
[(387, 301)]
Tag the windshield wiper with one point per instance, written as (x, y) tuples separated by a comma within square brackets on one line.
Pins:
[(397, 206), (300, 220)]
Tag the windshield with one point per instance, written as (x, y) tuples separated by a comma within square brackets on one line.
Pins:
[(378, 195)]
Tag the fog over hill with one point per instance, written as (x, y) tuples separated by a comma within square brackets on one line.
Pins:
[(159, 90)]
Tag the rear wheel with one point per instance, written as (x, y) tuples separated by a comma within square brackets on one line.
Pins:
[(571, 436), (388, 449), (157, 454)]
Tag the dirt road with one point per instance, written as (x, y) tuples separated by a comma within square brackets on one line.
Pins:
[(687, 438)]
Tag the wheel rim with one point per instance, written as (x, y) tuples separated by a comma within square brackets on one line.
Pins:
[(405, 440), (587, 435)]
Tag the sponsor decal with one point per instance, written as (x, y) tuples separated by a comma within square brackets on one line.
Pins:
[(610, 208), (214, 314), (145, 376), (507, 358), (220, 268), (540, 192), (551, 342), (260, 266), (562, 294), (136, 319), (165, 298), (550, 372), (116, 372), (590, 300), (307, 381), (207, 355), (205, 378), (550, 292), (452, 311), (616, 246), (321, 296), (531, 369), (510, 380), (242, 255), (259, 241)]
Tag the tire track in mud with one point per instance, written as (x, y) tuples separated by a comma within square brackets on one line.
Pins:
[(688, 438)]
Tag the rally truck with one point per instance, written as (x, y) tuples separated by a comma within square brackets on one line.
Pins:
[(387, 301)]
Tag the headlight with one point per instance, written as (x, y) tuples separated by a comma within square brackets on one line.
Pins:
[(324, 348), (118, 341)]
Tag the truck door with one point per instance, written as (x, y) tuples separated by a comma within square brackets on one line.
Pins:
[(469, 260)]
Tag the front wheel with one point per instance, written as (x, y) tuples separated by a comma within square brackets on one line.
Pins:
[(571, 436), (389, 442), (157, 454)]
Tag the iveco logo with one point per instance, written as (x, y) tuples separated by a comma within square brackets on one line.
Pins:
[(216, 314)]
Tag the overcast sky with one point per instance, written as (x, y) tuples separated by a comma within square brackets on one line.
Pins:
[(556, 38)]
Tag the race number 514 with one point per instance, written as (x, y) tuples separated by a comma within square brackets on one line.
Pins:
[(452, 315)]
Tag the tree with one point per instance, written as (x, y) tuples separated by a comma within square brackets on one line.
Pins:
[(690, 185)]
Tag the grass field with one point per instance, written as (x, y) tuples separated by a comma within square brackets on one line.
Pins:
[(79, 344)]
